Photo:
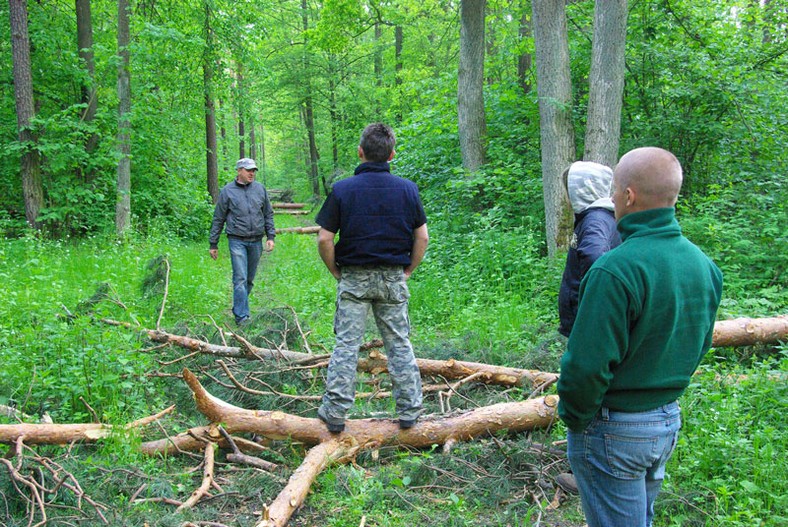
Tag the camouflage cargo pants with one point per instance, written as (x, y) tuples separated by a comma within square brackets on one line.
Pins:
[(383, 288)]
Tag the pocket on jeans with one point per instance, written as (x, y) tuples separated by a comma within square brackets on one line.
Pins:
[(629, 457), (354, 285), (396, 288)]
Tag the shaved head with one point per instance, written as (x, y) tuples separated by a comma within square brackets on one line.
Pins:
[(646, 178)]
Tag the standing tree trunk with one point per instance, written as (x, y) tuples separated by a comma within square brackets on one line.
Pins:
[(524, 59), (606, 82), (309, 113), (32, 189), (211, 154), (470, 85), (398, 40), (123, 199), (241, 114), (85, 47), (554, 89)]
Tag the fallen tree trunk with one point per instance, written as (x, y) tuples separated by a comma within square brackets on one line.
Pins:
[(376, 363), (368, 433), (361, 434), (750, 331), (292, 212), (283, 205), (62, 434), (312, 229), (278, 513)]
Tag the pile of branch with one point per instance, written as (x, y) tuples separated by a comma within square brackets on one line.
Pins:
[(226, 421)]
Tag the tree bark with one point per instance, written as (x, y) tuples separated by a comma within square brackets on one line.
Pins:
[(472, 124), (211, 153), (554, 89), (375, 363), (750, 331), (309, 113), (32, 189), (278, 513), (88, 89), (524, 60), (123, 200), (300, 230), (606, 82)]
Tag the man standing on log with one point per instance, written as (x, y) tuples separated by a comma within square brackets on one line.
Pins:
[(244, 210), (382, 239), (645, 320)]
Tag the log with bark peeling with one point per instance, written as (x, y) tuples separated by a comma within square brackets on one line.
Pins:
[(750, 331), (361, 434), (368, 433), (312, 229), (375, 363)]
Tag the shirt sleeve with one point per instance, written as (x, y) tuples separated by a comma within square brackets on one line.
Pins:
[(268, 215), (597, 344), (328, 217), (219, 217)]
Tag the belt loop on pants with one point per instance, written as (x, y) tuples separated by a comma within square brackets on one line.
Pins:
[(605, 413)]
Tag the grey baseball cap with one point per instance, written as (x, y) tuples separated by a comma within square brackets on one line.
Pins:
[(246, 163)]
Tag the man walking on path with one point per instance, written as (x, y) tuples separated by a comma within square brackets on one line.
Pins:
[(382, 239), (244, 211), (645, 320)]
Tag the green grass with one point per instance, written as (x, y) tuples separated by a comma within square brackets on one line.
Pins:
[(488, 298)]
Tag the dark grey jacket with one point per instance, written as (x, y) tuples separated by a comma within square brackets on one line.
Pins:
[(244, 211)]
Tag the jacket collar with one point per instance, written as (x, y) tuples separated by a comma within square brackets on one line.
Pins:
[(652, 221), (371, 166)]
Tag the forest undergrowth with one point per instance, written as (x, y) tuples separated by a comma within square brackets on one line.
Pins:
[(494, 303)]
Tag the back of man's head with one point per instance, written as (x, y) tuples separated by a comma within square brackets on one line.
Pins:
[(377, 142), (653, 173)]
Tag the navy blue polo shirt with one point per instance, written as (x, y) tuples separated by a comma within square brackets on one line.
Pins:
[(375, 214)]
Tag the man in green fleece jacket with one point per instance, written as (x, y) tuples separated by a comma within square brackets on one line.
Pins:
[(645, 320)]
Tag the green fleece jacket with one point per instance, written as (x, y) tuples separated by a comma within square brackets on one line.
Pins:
[(645, 320)]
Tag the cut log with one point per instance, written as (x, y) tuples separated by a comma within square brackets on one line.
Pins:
[(368, 433), (292, 212), (62, 434), (750, 331), (312, 229), (362, 434), (376, 363), (278, 513), (283, 205)]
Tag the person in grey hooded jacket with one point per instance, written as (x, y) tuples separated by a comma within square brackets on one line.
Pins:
[(588, 186), (244, 211)]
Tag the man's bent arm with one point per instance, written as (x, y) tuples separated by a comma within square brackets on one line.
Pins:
[(325, 247), (420, 240)]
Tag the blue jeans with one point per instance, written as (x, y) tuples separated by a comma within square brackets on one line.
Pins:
[(619, 464), (244, 257)]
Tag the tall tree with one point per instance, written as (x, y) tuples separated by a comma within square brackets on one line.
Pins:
[(211, 154), (470, 85), (524, 59), (32, 189), (309, 112), (30, 163), (123, 200), (606, 82), (88, 88), (241, 112), (554, 89)]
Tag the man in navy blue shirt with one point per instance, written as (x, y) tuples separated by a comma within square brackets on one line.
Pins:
[(383, 236)]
